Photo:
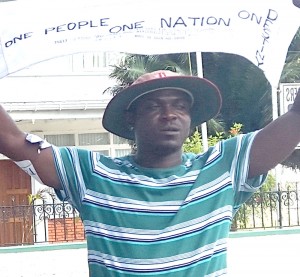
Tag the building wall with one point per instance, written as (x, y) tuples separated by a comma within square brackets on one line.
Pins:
[(62, 100)]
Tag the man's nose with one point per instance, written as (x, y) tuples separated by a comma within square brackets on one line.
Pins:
[(168, 112)]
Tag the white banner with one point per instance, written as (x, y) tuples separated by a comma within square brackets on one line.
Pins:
[(260, 30)]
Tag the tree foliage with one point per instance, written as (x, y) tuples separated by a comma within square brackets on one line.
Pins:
[(291, 70), (194, 144)]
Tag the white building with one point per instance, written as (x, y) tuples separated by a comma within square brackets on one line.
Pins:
[(62, 101)]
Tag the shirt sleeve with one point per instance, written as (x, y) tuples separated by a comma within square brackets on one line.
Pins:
[(243, 186), (68, 161)]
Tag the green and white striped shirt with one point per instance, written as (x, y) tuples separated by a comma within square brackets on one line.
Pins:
[(158, 222)]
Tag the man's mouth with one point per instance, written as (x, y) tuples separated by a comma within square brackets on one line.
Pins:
[(171, 129)]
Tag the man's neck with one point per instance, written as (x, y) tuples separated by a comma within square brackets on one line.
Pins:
[(158, 160)]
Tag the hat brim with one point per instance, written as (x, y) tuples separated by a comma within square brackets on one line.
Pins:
[(207, 101)]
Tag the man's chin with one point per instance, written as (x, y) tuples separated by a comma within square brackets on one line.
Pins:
[(168, 147)]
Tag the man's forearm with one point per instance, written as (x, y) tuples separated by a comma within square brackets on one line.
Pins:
[(10, 136), (276, 141)]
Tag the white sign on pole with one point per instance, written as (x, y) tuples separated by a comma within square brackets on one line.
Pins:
[(288, 92)]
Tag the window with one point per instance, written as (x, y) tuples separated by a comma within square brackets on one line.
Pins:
[(104, 152), (104, 143), (61, 140), (93, 139), (119, 140), (94, 62), (122, 152)]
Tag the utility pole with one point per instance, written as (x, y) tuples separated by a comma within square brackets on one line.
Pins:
[(203, 125)]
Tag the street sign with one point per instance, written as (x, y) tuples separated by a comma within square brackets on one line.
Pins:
[(288, 92)]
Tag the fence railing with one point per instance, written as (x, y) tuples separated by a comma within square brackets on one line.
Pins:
[(39, 223), (272, 209), (60, 222)]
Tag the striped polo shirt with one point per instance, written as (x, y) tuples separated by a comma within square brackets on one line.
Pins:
[(158, 222)]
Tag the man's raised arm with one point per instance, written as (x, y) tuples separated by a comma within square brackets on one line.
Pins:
[(274, 143), (14, 145)]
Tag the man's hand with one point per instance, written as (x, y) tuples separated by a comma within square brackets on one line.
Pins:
[(296, 3), (296, 104)]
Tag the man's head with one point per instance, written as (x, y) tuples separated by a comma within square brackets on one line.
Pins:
[(203, 96), (161, 120)]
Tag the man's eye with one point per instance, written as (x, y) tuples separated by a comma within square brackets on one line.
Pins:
[(183, 107), (152, 107)]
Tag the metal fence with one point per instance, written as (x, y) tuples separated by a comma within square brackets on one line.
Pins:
[(272, 209), (53, 221), (39, 222)]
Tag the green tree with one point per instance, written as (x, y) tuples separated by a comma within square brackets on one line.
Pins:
[(291, 70), (245, 89), (194, 143)]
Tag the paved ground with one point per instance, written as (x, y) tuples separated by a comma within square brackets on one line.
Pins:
[(58, 263), (263, 256)]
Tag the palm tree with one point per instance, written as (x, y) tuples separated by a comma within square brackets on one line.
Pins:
[(244, 88), (133, 66), (291, 70)]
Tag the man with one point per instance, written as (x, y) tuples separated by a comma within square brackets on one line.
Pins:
[(158, 212)]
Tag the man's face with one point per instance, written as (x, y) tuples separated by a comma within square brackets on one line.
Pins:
[(162, 120)]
